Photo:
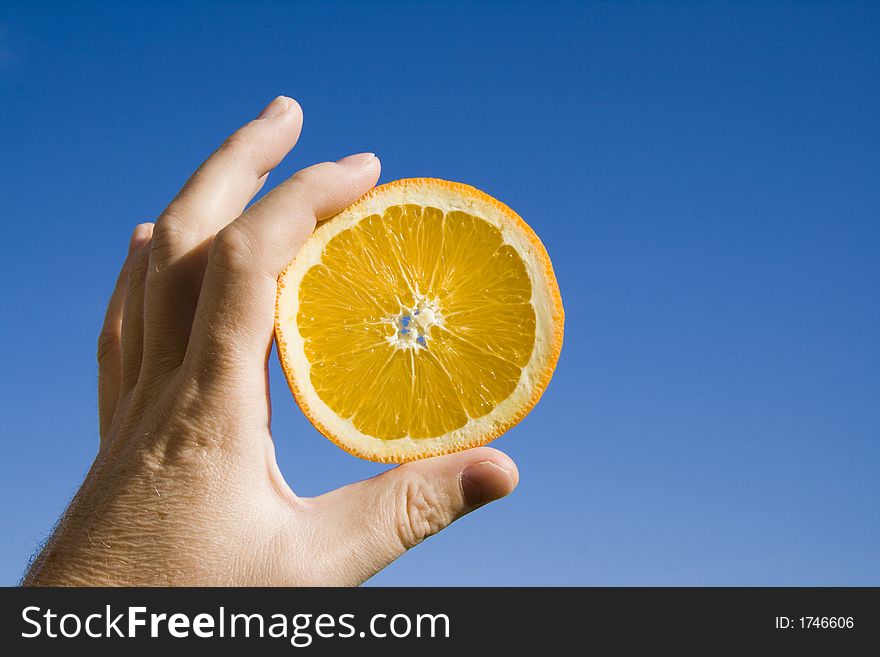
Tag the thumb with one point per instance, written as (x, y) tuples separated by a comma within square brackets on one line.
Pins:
[(367, 525)]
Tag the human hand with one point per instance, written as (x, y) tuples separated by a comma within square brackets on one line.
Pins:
[(185, 488)]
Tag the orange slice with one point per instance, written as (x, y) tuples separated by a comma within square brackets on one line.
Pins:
[(422, 320)]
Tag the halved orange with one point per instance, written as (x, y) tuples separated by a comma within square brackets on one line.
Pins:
[(422, 320)]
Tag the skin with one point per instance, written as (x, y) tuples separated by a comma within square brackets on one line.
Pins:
[(185, 488)]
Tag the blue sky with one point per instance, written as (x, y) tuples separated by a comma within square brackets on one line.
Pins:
[(705, 179)]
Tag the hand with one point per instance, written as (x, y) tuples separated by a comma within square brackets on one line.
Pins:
[(185, 489)]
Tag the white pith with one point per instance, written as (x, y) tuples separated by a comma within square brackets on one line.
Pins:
[(411, 326), (446, 201)]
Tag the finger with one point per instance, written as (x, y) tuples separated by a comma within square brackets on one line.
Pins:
[(367, 525), (133, 315), (216, 194), (235, 318), (110, 339), (260, 183)]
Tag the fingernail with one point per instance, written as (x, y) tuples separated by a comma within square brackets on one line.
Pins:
[(485, 482), (277, 107), (356, 160)]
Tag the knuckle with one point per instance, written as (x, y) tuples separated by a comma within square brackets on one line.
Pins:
[(319, 188), (234, 249), (421, 514), (168, 237), (311, 179), (237, 147), (137, 270), (108, 344)]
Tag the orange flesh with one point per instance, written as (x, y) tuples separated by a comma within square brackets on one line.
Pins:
[(416, 321)]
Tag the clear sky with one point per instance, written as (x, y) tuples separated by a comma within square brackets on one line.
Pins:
[(705, 176)]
